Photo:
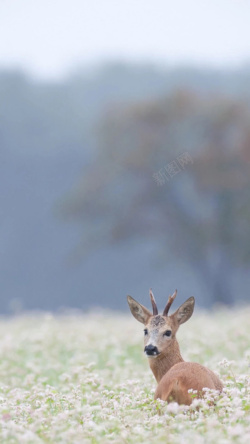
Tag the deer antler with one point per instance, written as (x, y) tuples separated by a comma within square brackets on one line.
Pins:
[(155, 309), (169, 303)]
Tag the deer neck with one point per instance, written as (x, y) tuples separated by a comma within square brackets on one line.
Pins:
[(163, 363)]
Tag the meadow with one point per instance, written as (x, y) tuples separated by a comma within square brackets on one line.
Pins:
[(83, 378)]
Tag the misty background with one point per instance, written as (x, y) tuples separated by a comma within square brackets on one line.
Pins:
[(125, 153)]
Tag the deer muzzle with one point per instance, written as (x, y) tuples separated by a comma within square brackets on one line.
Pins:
[(151, 350)]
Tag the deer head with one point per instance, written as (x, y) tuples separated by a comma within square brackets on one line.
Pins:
[(160, 330)]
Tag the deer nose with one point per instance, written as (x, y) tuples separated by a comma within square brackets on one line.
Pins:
[(151, 350)]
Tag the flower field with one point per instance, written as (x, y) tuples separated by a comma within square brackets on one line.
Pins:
[(84, 379)]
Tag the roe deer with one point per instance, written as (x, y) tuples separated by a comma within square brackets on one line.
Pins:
[(174, 376)]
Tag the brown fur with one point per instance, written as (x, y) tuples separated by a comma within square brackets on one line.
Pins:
[(183, 376)]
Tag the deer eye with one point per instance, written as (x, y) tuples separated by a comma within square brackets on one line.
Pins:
[(167, 333), (145, 331)]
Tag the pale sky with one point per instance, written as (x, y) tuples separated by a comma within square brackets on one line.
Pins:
[(51, 37)]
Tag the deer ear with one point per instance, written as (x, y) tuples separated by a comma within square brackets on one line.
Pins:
[(141, 313), (185, 311)]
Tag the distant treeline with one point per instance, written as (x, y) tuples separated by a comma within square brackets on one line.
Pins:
[(119, 169)]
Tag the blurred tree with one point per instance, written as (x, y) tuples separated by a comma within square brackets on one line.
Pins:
[(47, 138), (197, 148)]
